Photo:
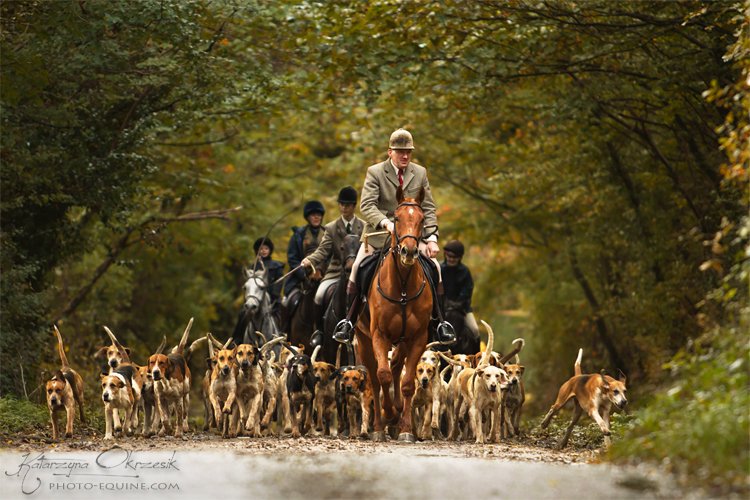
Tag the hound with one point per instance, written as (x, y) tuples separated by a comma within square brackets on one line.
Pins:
[(438, 387), (513, 400), (356, 394), (300, 385), (64, 391), (593, 393), (426, 378), (481, 388), (171, 376), (121, 390), (222, 392), (114, 357), (454, 399), (325, 393), (250, 382), (270, 381)]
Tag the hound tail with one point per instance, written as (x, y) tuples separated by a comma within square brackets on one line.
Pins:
[(490, 341), (267, 346), (63, 358), (183, 340), (577, 365), (315, 353), (518, 343), (120, 348)]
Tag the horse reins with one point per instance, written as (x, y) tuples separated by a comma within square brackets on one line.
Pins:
[(404, 280)]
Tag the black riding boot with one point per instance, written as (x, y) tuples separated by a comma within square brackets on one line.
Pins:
[(344, 328), (445, 332), (316, 338)]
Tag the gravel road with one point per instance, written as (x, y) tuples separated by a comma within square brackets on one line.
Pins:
[(205, 466)]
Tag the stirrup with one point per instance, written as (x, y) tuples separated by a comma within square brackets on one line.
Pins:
[(445, 333), (343, 331)]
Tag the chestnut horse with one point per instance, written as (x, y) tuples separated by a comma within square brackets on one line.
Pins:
[(400, 303)]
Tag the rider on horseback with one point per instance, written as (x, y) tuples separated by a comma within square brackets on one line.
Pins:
[(263, 249), (333, 239), (459, 284), (378, 206), (304, 241)]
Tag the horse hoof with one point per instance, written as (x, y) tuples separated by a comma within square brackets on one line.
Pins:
[(406, 437), (393, 431), (378, 436)]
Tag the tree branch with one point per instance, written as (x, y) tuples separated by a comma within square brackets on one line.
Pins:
[(124, 242)]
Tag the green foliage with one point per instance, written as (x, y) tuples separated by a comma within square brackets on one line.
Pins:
[(700, 426), (21, 416)]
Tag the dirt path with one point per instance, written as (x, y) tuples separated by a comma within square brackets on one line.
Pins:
[(313, 467)]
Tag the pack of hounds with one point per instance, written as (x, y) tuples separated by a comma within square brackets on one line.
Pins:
[(246, 388)]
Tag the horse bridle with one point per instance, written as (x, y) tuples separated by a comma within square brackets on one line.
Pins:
[(404, 279), (262, 288)]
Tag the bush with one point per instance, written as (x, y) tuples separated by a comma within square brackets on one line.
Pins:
[(699, 426), (21, 416)]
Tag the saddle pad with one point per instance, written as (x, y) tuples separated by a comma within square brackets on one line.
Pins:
[(365, 273), (369, 264)]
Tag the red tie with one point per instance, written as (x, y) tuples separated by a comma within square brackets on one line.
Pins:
[(400, 178)]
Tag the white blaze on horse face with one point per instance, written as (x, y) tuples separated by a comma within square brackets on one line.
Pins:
[(254, 290)]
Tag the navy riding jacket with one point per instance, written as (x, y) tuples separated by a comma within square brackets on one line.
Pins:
[(458, 284)]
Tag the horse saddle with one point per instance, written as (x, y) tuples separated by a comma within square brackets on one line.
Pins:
[(365, 273), (369, 265)]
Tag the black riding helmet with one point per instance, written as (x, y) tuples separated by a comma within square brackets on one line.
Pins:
[(313, 206), (348, 195), (455, 247), (263, 241)]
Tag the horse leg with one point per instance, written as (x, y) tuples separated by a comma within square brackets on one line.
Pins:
[(384, 376), (415, 350), (364, 345), (397, 364)]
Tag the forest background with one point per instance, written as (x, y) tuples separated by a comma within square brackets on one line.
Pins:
[(592, 156)]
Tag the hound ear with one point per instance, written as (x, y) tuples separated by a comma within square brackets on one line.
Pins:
[(127, 350), (621, 376), (101, 352), (522, 368), (399, 195), (605, 384), (59, 376), (420, 196)]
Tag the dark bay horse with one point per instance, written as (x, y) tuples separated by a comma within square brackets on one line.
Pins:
[(302, 322), (336, 301), (467, 342), (400, 303)]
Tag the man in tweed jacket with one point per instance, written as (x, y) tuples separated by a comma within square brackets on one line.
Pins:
[(329, 250), (378, 206)]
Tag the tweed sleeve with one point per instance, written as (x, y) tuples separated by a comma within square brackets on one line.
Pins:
[(321, 254), (368, 205), (429, 210)]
